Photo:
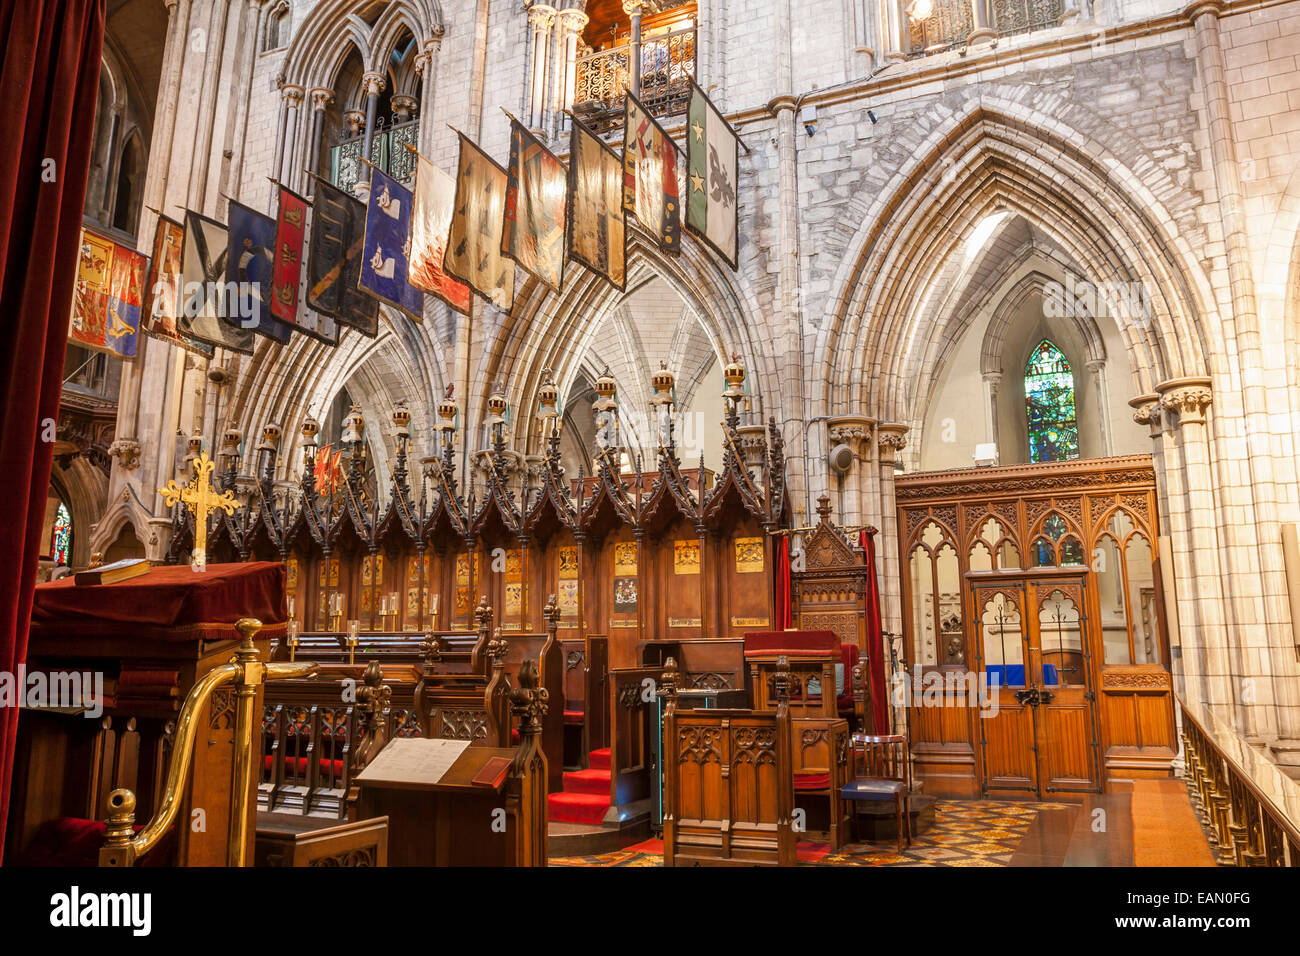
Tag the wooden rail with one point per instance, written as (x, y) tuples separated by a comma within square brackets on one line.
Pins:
[(1249, 806)]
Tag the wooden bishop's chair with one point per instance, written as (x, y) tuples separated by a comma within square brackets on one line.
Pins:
[(883, 772)]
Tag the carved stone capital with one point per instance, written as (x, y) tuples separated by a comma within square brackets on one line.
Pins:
[(404, 106), (1187, 397), (1096, 366), (572, 21), (638, 8), (1146, 411), (850, 429), (356, 120), (321, 98), (541, 17), (293, 95), (127, 453), (373, 83), (891, 438)]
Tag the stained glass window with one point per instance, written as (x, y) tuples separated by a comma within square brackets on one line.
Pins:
[(1049, 401), (62, 535)]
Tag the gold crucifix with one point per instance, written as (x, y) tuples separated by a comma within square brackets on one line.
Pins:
[(200, 497)]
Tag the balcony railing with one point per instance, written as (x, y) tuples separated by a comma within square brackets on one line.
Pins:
[(387, 151), (604, 77), (949, 23)]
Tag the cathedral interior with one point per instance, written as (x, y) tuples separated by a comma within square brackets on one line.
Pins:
[(988, 421)]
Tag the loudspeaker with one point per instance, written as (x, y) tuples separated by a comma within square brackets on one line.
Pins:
[(840, 458)]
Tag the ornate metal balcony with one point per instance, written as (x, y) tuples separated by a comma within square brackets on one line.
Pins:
[(603, 78), (387, 151), (937, 25)]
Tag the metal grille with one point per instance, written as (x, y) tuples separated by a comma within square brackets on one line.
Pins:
[(387, 151), (1024, 16), (667, 67)]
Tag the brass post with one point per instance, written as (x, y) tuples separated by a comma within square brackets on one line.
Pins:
[(248, 679)]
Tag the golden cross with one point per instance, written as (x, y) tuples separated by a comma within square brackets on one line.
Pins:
[(200, 497)]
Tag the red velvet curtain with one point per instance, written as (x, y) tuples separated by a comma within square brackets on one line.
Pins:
[(49, 77), (875, 638), (783, 603)]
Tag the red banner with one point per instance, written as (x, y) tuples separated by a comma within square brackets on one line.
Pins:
[(289, 232)]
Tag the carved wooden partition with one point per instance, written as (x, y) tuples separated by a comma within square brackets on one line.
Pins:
[(728, 786), (1098, 515), (633, 727)]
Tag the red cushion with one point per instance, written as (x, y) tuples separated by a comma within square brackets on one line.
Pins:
[(792, 644), (574, 716), (812, 781), (72, 841), (298, 765)]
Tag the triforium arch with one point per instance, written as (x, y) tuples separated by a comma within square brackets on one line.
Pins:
[(545, 332), (316, 52), (888, 337)]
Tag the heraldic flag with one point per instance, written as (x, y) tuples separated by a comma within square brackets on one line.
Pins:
[(435, 196), (387, 252), (163, 294), (203, 264), (126, 279), (290, 232), (597, 230), (474, 244), (533, 231), (249, 268), (650, 175), (108, 296), (334, 267), (712, 161)]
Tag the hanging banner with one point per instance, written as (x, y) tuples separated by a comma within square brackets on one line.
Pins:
[(386, 257), (597, 235), (290, 232), (90, 299), (126, 280), (435, 198), (650, 176), (203, 297), (163, 291), (712, 162), (474, 244), (532, 232), (250, 264), (334, 264)]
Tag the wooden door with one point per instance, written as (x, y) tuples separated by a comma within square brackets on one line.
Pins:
[(1037, 722)]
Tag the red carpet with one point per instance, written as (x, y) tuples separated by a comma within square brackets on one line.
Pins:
[(585, 798)]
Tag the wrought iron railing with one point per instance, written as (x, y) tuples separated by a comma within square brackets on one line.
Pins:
[(604, 77), (949, 23), (387, 151)]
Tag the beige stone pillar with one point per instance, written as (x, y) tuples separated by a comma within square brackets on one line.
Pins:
[(572, 22), (983, 31), (634, 9), (1098, 369), (891, 439), (854, 432), (541, 18), (991, 382), (292, 97)]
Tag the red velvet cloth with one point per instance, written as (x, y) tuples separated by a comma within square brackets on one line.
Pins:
[(848, 657), (173, 603), (783, 603), (792, 643), (72, 841), (875, 638), (49, 81)]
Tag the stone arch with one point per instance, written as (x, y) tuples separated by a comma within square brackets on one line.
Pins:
[(542, 330), (313, 57), (991, 349), (1005, 156)]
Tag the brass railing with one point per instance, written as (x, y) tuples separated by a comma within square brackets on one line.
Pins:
[(246, 672), (1248, 806), (603, 79)]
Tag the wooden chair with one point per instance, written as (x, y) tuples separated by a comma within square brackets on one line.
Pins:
[(885, 774)]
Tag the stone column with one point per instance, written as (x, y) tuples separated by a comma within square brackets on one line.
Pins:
[(891, 438), (321, 98), (426, 65), (206, 119), (293, 96), (1098, 369), (983, 31), (894, 21), (541, 18), (634, 8), (572, 22), (991, 382), (855, 432), (373, 84)]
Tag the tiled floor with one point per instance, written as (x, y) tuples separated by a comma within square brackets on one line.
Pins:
[(1099, 831)]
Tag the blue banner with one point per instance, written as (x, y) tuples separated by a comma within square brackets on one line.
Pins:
[(387, 251), (249, 263)]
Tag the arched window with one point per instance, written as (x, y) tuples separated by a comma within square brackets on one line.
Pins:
[(277, 29), (1049, 402), (61, 548)]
